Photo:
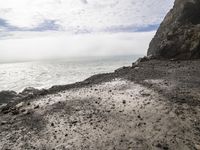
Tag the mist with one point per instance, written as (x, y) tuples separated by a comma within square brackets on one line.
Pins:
[(34, 46), (50, 29)]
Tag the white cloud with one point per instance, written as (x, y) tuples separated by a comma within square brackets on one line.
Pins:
[(41, 45), (77, 15), (90, 14)]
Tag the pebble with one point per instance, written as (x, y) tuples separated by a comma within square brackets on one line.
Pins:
[(23, 110), (36, 107), (124, 101), (197, 146), (15, 112), (3, 122), (19, 105)]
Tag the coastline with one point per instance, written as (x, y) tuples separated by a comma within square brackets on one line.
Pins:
[(153, 104), (47, 73)]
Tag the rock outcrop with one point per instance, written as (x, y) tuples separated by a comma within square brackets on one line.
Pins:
[(7, 96), (179, 34)]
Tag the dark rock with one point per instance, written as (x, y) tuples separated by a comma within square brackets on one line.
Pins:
[(28, 112), (29, 91), (36, 107), (15, 112), (162, 146), (7, 96), (165, 147), (159, 145), (3, 122), (178, 35), (124, 101), (23, 110), (121, 69), (74, 122), (143, 59), (139, 117)]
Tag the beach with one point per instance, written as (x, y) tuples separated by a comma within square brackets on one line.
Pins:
[(153, 104)]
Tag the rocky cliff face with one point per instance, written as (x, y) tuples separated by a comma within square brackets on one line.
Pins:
[(179, 34)]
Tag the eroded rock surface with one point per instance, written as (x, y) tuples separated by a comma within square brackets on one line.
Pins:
[(179, 34), (6, 96)]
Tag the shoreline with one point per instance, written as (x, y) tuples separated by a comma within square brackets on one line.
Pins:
[(41, 74), (13, 97), (31, 92), (152, 105)]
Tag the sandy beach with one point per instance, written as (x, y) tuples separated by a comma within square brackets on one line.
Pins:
[(151, 105)]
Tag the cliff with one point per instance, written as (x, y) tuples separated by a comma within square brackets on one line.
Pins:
[(154, 105), (179, 34)]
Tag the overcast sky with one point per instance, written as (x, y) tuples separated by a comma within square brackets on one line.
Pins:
[(32, 29)]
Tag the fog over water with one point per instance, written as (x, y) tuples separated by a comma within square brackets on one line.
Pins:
[(43, 29), (44, 34), (62, 45), (44, 74)]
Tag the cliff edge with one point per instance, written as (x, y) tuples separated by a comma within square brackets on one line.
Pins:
[(179, 34)]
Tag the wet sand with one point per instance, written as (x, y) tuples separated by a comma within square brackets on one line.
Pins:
[(151, 105)]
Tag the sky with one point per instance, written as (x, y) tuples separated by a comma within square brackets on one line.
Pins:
[(39, 29)]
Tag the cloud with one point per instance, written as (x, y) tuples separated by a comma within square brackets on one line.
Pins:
[(93, 15), (38, 29), (3, 23), (132, 28), (84, 1), (6, 26), (46, 25), (31, 45)]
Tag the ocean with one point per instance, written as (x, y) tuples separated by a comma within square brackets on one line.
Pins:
[(44, 74)]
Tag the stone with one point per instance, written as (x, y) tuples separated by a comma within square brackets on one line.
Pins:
[(197, 146), (3, 122), (137, 68), (15, 112), (7, 96), (121, 69), (29, 91), (23, 110), (142, 59), (19, 105), (36, 107), (124, 101), (179, 33)]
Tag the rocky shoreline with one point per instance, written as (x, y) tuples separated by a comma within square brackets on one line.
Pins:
[(11, 97), (153, 104)]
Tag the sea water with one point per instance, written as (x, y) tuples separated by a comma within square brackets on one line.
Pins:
[(44, 74)]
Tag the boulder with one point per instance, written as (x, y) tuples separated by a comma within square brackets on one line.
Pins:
[(179, 34), (31, 92), (7, 96), (142, 59)]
